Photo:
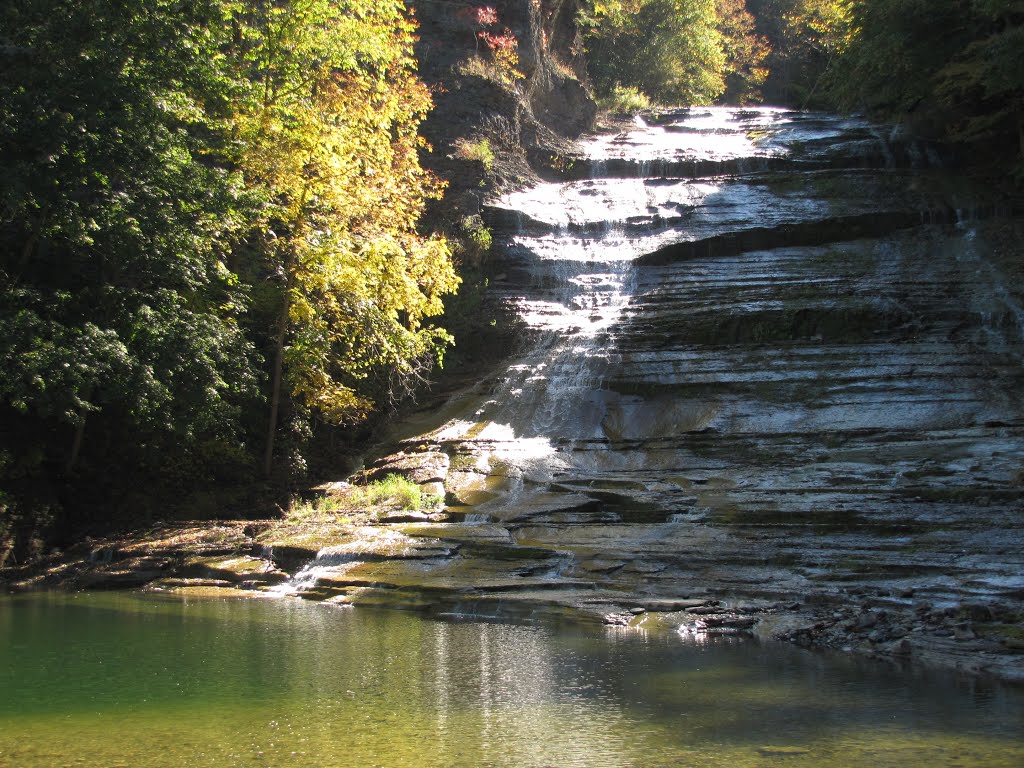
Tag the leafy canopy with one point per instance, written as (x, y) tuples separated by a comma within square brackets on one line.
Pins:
[(201, 200), (670, 49), (328, 131)]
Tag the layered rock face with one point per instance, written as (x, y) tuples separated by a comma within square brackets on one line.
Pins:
[(776, 389), (782, 398), (525, 115)]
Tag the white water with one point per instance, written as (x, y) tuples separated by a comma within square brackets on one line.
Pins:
[(580, 273), (750, 423), (369, 542)]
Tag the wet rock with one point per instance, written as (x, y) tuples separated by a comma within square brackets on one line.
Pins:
[(901, 648), (232, 570), (785, 235), (292, 555), (726, 621), (602, 565), (427, 466), (544, 506), (102, 555), (120, 579), (964, 632), (470, 488), (618, 619), (337, 487), (704, 609), (411, 516), (670, 606), (977, 612), (866, 620)]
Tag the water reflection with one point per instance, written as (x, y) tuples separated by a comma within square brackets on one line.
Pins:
[(166, 683)]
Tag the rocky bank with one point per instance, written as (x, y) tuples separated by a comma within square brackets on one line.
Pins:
[(779, 398)]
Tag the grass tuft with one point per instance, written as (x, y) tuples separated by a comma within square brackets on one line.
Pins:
[(476, 150), (624, 100), (393, 491)]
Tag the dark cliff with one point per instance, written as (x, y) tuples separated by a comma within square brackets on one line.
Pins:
[(492, 129)]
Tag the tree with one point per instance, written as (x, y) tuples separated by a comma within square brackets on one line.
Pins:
[(206, 206), (327, 132), (670, 49), (117, 309), (745, 52), (954, 63), (805, 38)]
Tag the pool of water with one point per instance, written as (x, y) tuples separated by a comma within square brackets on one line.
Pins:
[(114, 679)]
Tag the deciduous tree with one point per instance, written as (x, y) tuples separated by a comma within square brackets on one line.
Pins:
[(670, 49)]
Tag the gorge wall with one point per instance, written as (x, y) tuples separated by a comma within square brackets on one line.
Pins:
[(526, 121)]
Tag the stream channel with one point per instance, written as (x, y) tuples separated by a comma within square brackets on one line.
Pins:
[(772, 387)]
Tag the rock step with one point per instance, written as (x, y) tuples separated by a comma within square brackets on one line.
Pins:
[(579, 167), (789, 235)]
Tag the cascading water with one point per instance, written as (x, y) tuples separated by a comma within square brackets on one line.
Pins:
[(578, 249), (367, 544), (772, 373)]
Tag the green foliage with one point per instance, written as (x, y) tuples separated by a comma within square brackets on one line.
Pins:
[(745, 52), (958, 63), (116, 301), (952, 69), (803, 39), (675, 51), (393, 491), (322, 509), (671, 50), (479, 150), (896, 47), (474, 241), (624, 99), (328, 132), (205, 207), (482, 239)]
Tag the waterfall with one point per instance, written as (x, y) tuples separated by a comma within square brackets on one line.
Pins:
[(366, 544), (776, 369)]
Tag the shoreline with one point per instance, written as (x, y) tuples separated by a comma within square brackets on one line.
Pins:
[(230, 558)]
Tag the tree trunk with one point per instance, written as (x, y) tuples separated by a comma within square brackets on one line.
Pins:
[(290, 264), (275, 389), (76, 447), (278, 372)]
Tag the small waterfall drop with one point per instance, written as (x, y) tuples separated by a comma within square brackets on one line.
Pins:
[(366, 544)]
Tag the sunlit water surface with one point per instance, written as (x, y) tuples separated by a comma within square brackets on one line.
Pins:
[(128, 680)]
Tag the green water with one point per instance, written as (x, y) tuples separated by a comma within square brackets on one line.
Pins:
[(128, 680)]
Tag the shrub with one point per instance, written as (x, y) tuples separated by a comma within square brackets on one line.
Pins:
[(624, 99), (477, 150), (393, 490), (358, 503)]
